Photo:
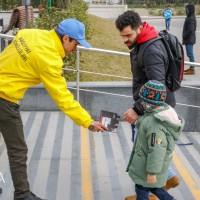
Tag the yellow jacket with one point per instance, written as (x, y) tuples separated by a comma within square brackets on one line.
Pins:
[(34, 57)]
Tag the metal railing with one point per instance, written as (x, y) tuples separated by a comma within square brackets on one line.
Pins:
[(80, 48), (4, 40), (7, 38), (78, 71)]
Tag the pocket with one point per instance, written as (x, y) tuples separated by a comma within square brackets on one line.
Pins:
[(14, 109), (138, 163), (140, 152), (8, 109), (13, 104)]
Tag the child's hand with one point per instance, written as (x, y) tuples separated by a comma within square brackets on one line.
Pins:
[(151, 178)]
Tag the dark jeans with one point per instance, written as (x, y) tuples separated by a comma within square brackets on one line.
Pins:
[(143, 192), (11, 128), (190, 53)]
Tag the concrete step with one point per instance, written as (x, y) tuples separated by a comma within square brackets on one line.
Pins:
[(67, 162)]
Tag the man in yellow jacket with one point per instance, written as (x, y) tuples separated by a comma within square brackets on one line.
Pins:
[(34, 57)]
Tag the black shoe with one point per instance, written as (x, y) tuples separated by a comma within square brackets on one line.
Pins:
[(31, 196)]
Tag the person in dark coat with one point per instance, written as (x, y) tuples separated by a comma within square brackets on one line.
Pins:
[(135, 34), (189, 36)]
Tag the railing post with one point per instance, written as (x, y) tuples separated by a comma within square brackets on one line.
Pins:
[(6, 42), (77, 73)]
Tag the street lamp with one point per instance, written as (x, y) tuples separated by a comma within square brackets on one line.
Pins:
[(26, 3)]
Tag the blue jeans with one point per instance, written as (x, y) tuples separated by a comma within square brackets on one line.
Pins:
[(171, 173), (190, 53), (134, 132), (143, 192), (167, 23)]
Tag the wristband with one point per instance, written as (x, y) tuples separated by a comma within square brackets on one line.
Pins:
[(91, 126)]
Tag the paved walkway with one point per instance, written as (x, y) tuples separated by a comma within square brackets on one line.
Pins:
[(66, 162)]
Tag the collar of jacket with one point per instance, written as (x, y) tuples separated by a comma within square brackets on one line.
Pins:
[(164, 107), (148, 33), (172, 127), (58, 43)]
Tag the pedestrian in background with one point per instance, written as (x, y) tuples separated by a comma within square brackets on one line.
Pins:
[(167, 13), (189, 36), (36, 56)]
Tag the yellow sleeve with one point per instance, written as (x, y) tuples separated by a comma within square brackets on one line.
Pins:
[(56, 86)]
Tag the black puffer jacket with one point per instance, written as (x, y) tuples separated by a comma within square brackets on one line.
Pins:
[(154, 67), (155, 64), (189, 28)]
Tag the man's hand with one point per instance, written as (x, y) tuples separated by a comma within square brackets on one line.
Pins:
[(151, 178), (130, 116), (96, 127)]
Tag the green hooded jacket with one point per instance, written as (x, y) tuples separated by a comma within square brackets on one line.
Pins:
[(152, 152)]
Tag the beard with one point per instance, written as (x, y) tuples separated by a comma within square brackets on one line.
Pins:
[(131, 44)]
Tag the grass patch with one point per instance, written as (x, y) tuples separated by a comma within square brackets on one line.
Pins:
[(105, 36)]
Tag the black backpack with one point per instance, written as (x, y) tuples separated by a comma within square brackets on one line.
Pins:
[(175, 52)]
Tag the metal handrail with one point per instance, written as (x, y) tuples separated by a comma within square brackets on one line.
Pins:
[(103, 51), (6, 36), (80, 48), (78, 71), (130, 96), (96, 73)]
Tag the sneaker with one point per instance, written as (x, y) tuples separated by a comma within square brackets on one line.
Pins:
[(134, 197), (189, 71), (172, 183), (31, 196)]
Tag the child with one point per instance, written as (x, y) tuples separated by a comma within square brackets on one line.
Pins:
[(167, 15), (158, 129)]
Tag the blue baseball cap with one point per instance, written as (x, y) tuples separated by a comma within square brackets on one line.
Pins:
[(74, 29)]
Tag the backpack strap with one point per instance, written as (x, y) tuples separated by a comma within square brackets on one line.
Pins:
[(142, 48)]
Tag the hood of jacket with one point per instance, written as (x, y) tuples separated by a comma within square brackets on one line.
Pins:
[(170, 120), (190, 10), (148, 33)]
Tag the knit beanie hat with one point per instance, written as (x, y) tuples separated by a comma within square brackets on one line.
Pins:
[(153, 92)]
